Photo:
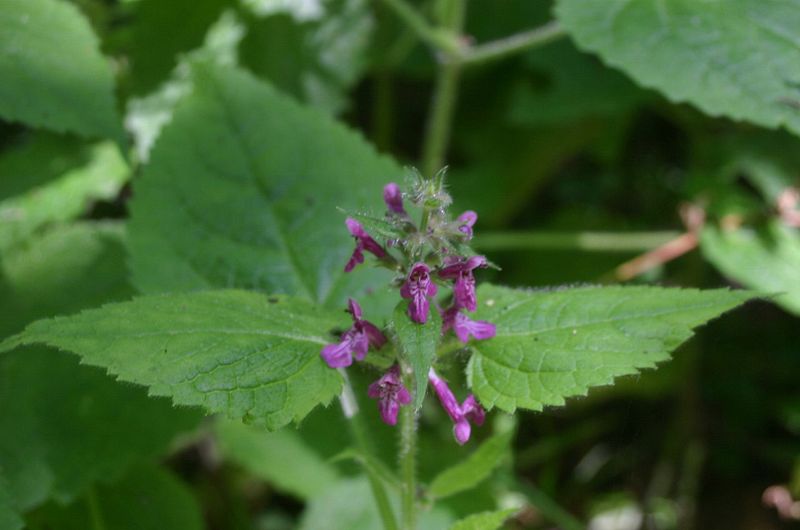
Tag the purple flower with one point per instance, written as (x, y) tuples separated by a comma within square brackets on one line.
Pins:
[(363, 242), (462, 415), (390, 393), (355, 341), (463, 326), (418, 287), (467, 220), (393, 198), (464, 288)]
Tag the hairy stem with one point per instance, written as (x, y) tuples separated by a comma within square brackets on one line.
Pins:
[(350, 410), (502, 48), (408, 464), (443, 103)]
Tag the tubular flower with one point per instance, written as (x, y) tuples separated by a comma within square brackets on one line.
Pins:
[(467, 221), (390, 393), (363, 242), (463, 326), (464, 287), (418, 287), (393, 198), (354, 342), (462, 415)]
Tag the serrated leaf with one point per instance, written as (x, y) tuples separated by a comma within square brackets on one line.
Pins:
[(737, 58), (240, 353), (148, 498), (53, 73), (64, 426), (242, 191), (551, 345), (66, 197), (474, 469), (281, 458), (484, 520), (767, 260), (418, 345)]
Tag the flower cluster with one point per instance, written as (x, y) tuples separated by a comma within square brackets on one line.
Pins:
[(425, 257)]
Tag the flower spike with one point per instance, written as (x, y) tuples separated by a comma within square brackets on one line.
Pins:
[(393, 198), (462, 415), (390, 393), (418, 287), (464, 287), (363, 242), (354, 342)]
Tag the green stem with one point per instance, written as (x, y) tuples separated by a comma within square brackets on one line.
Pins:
[(350, 409), (443, 103), (549, 508), (95, 514), (438, 39), (408, 454), (520, 42), (584, 241)]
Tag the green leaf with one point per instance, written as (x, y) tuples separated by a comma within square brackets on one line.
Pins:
[(64, 426), (418, 345), (767, 260), (41, 156), (315, 56), (63, 269), (281, 458), (148, 498), (579, 87), (737, 58), (162, 30), (242, 191), (53, 73), (350, 506), (474, 469), (551, 345), (147, 115), (240, 353), (484, 520), (65, 198), (9, 517)]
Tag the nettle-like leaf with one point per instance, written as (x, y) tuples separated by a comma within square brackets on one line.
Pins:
[(418, 345), (484, 520), (474, 469), (737, 58), (766, 259), (242, 191), (64, 426), (147, 498), (551, 345), (53, 73), (240, 353), (282, 458)]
